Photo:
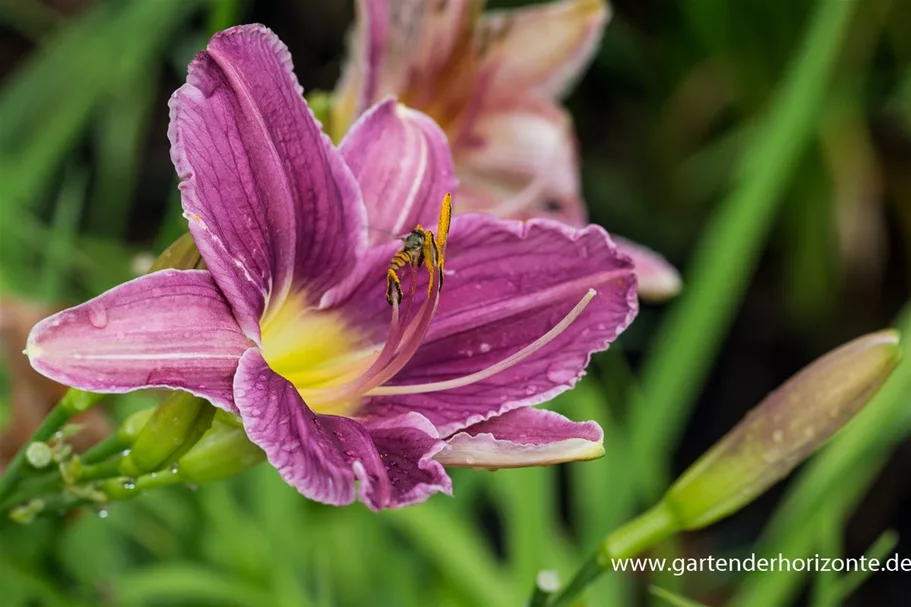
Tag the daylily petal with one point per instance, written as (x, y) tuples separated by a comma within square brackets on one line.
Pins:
[(507, 284), (542, 49), (408, 450), (402, 162), (524, 437), (422, 38), (658, 279), (323, 455), (421, 51), (169, 329), (270, 201), (521, 162)]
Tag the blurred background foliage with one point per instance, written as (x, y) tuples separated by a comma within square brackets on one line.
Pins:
[(764, 146)]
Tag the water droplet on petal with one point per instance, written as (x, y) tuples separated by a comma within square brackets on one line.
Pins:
[(98, 315), (240, 392), (561, 373), (530, 390), (485, 348)]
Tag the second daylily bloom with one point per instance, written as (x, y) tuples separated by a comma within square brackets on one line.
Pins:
[(289, 326), (493, 82)]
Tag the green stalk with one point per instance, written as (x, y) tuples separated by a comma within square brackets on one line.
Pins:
[(108, 447), (631, 539)]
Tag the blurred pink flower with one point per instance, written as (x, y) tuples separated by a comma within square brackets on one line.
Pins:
[(493, 82)]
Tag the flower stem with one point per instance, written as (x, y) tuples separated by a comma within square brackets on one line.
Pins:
[(72, 403), (638, 535), (102, 470), (112, 445)]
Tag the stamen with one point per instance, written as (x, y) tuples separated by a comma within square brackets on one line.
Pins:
[(400, 346), (493, 369)]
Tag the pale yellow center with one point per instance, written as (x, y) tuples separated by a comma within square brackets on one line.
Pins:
[(315, 350)]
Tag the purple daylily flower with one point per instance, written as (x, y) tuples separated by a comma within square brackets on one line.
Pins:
[(289, 327), (493, 80)]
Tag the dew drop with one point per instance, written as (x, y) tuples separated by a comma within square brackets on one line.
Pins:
[(174, 468), (484, 347), (530, 390), (240, 392), (98, 315), (560, 374), (129, 485), (103, 513)]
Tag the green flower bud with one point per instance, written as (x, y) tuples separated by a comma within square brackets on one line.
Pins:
[(76, 401), (132, 426), (784, 430), (174, 426), (224, 451), (181, 255)]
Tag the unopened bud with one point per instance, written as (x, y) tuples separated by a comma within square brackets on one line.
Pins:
[(76, 401), (223, 451), (132, 426), (182, 254), (175, 426), (782, 431)]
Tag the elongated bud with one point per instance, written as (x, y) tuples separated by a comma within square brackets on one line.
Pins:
[(786, 428), (782, 431), (180, 255), (223, 451), (172, 429)]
